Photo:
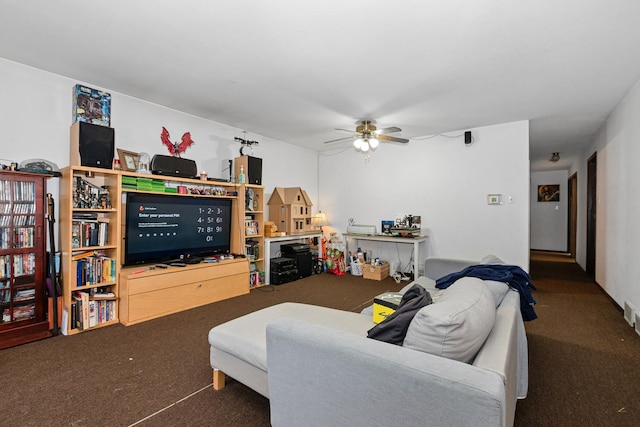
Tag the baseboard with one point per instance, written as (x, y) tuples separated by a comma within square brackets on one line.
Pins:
[(629, 313)]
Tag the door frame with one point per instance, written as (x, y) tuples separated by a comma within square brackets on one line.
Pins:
[(572, 215), (592, 200)]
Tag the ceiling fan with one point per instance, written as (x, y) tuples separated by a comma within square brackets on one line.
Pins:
[(367, 136)]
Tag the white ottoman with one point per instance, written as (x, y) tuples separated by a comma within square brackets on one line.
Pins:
[(239, 346)]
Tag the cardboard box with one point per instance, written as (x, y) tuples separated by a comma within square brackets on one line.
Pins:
[(384, 305), (91, 106), (270, 230), (376, 272)]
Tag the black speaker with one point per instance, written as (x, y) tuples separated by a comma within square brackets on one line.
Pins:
[(173, 166), (467, 137), (252, 168), (92, 145)]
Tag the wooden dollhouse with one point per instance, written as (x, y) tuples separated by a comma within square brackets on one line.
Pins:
[(290, 210)]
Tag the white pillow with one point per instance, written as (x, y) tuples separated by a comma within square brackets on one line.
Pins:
[(491, 259), (498, 290), (457, 324)]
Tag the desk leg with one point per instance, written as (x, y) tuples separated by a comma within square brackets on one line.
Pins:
[(267, 263), (416, 259)]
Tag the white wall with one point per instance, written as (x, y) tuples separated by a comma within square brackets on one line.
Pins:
[(444, 181), (618, 202), (441, 179), (549, 219), (36, 112)]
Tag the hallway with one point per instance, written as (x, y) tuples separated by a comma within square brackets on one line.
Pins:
[(584, 359)]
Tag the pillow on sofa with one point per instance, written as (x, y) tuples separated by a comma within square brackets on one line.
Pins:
[(491, 259), (457, 324), (498, 290)]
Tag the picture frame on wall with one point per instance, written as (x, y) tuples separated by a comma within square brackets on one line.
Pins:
[(128, 160), (549, 193)]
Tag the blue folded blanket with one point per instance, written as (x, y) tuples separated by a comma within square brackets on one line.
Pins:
[(512, 275)]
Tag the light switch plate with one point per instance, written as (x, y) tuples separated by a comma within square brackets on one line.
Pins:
[(494, 199)]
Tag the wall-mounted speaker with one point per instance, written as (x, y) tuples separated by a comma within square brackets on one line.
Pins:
[(92, 145), (467, 137), (252, 168)]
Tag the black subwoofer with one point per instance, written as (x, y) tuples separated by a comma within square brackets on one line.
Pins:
[(92, 145)]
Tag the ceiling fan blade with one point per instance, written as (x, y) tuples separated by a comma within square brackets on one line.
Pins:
[(339, 140), (388, 130), (392, 139), (345, 130)]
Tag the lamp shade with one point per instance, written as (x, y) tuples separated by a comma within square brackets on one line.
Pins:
[(319, 219)]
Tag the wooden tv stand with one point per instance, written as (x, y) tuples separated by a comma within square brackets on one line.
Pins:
[(147, 294)]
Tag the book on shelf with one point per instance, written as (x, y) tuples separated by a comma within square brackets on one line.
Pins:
[(90, 232), (93, 313), (95, 269), (80, 255), (82, 309), (102, 295)]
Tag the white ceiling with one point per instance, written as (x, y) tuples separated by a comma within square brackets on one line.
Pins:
[(295, 70)]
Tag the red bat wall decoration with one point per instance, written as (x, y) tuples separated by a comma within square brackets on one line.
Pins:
[(176, 148)]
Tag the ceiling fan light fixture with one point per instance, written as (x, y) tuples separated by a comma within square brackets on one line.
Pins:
[(357, 144), (365, 146), (373, 142), (554, 157)]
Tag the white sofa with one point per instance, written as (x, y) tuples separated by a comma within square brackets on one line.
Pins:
[(317, 367)]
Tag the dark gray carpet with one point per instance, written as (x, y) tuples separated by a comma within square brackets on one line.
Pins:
[(584, 362)]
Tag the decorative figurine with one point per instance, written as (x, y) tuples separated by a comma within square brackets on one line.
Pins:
[(176, 148)]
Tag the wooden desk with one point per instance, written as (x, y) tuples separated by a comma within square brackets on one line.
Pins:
[(267, 249), (391, 239)]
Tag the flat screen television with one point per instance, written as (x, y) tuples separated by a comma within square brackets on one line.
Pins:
[(162, 228)]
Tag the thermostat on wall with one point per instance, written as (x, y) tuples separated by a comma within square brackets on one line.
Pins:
[(494, 199)]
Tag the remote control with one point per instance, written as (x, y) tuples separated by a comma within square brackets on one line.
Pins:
[(162, 266), (178, 264)]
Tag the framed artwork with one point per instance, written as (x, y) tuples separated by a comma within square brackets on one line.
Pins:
[(549, 193), (128, 160)]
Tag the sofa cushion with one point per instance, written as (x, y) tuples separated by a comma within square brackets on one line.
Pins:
[(491, 259), (457, 324), (498, 290)]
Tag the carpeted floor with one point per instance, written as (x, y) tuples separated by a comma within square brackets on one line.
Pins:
[(584, 361)]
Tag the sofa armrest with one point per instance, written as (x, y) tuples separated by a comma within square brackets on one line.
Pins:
[(500, 352), (435, 268), (320, 376)]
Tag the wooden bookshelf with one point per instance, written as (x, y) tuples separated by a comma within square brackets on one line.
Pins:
[(23, 304), (254, 232), (90, 247)]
